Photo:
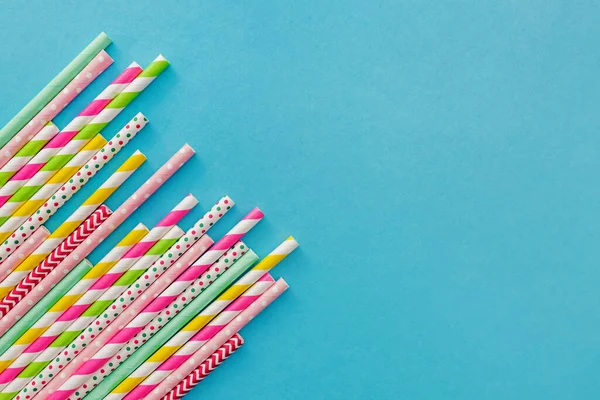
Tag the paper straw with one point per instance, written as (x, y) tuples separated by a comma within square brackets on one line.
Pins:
[(65, 140), (53, 322), (50, 345), (220, 338), (98, 65), (55, 258), (29, 150), (129, 338), (204, 369), (38, 237), (53, 88), (23, 323), (75, 219), (87, 133), (113, 222), (217, 315), (81, 348), (180, 347), (134, 263), (58, 235), (178, 322), (145, 289), (19, 223)]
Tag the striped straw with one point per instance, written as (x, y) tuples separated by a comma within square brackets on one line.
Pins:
[(75, 219), (180, 347), (98, 65), (219, 313), (64, 330), (63, 139), (145, 325), (59, 195), (127, 269), (27, 152), (220, 338), (53, 260), (189, 247), (24, 251), (141, 195), (87, 133), (161, 337), (205, 368), (32, 341)]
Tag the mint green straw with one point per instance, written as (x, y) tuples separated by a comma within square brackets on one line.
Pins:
[(53, 88), (171, 328), (33, 315)]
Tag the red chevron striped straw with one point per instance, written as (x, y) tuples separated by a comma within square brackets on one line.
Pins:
[(208, 366), (113, 222), (219, 339), (54, 259)]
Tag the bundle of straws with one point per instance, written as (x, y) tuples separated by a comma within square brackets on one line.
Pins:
[(160, 310)]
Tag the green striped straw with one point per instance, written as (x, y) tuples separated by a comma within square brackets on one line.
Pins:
[(170, 329), (41, 307), (99, 306), (34, 146), (53, 88), (87, 133)]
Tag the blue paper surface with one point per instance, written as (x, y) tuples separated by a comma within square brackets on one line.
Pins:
[(437, 162)]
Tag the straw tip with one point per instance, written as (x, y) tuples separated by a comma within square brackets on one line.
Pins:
[(186, 147), (227, 200), (140, 226), (257, 213), (43, 228), (161, 58), (281, 284), (104, 37), (134, 65), (291, 239)]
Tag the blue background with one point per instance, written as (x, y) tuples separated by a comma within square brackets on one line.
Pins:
[(438, 162)]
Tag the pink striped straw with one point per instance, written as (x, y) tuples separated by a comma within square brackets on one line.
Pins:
[(64, 137), (126, 334), (200, 338), (24, 251), (113, 222), (218, 340), (125, 318), (193, 244), (98, 65)]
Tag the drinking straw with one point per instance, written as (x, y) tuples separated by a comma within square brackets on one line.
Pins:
[(18, 223), (53, 88), (53, 322), (89, 131), (217, 315), (180, 347), (98, 65), (149, 321), (130, 267), (178, 322), (22, 323), (220, 338), (66, 138), (24, 251), (75, 219), (24, 210), (53, 260), (27, 152), (100, 330), (205, 368), (49, 345), (113, 222), (160, 310)]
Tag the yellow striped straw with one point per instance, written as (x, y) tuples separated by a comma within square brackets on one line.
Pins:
[(202, 319), (21, 354), (73, 221)]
